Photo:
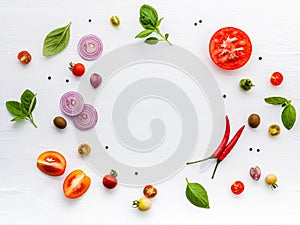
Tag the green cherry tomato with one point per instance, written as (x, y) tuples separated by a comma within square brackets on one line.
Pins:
[(274, 130), (115, 21), (246, 84)]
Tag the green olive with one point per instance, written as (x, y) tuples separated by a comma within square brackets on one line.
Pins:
[(254, 120), (115, 21), (60, 122)]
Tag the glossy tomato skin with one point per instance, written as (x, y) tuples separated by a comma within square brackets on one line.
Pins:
[(230, 48), (109, 181), (149, 191), (77, 69), (276, 79), (237, 187), (76, 184), (24, 57), (52, 163)]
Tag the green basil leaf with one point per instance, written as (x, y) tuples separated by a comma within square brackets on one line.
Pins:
[(158, 22), (16, 109), (27, 99), (152, 40), (18, 119), (166, 36), (197, 195), (148, 17), (57, 40), (288, 116), (276, 100), (144, 33)]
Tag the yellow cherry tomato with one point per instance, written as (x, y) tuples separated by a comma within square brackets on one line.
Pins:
[(142, 204)]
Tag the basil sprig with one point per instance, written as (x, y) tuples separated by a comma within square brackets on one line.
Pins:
[(150, 22), (197, 195), (57, 40), (23, 110), (288, 114)]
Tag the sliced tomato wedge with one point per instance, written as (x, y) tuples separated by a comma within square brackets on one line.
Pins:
[(230, 48), (52, 163), (76, 184)]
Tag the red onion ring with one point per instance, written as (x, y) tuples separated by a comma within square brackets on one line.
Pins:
[(71, 103), (87, 119), (90, 47)]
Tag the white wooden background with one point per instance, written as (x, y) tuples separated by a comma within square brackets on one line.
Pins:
[(28, 197)]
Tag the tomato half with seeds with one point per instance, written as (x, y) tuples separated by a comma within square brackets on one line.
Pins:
[(230, 48), (76, 184), (24, 57), (52, 163), (237, 187), (149, 191)]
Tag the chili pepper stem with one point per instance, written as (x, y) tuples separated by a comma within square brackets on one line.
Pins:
[(215, 169), (201, 160)]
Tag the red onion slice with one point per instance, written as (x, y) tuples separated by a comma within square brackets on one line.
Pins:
[(90, 47), (87, 119), (71, 103)]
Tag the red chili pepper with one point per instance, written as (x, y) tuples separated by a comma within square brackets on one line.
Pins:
[(228, 148), (220, 148)]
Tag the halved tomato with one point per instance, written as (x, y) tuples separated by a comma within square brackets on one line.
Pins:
[(76, 184), (230, 48), (52, 163)]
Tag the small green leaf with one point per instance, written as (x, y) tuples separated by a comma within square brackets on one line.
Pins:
[(288, 116), (152, 40), (148, 17), (144, 33), (57, 40), (159, 21), (197, 195), (18, 119), (276, 100), (16, 109), (166, 36), (26, 100)]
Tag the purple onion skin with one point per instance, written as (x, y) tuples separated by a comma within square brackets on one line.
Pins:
[(255, 173), (95, 80)]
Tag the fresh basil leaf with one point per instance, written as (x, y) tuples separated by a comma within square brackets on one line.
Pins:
[(276, 100), (18, 119), (148, 17), (16, 109), (197, 195), (144, 33), (26, 100), (159, 21), (166, 36), (288, 116), (57, 40), (152, 40)]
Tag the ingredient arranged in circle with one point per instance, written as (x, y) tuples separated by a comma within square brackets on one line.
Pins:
[(255, 173), (90, 47), (60, 122), (95, 80), (87, 118), (77, 69), (72, 103), (110, 180), (237, 187), (24, 57), (115, 21), (276, 78), (51, 163), (254, 120), (84, 149), (230, 48)]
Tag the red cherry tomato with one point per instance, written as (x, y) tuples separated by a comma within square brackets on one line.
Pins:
[(230, 48), (76, 184), (77, 69), (110, 181), (149, 191), (24, 57), (237, 187), (51, 163), (276, 78)]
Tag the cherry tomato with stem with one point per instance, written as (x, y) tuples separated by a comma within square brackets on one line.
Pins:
[(24, 57), (142, 204), (271, 179), (110, 180), (276, 78), (149, 191), (76, 184), (52, 163), (237, 187), (77, 69), (230, 48)]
